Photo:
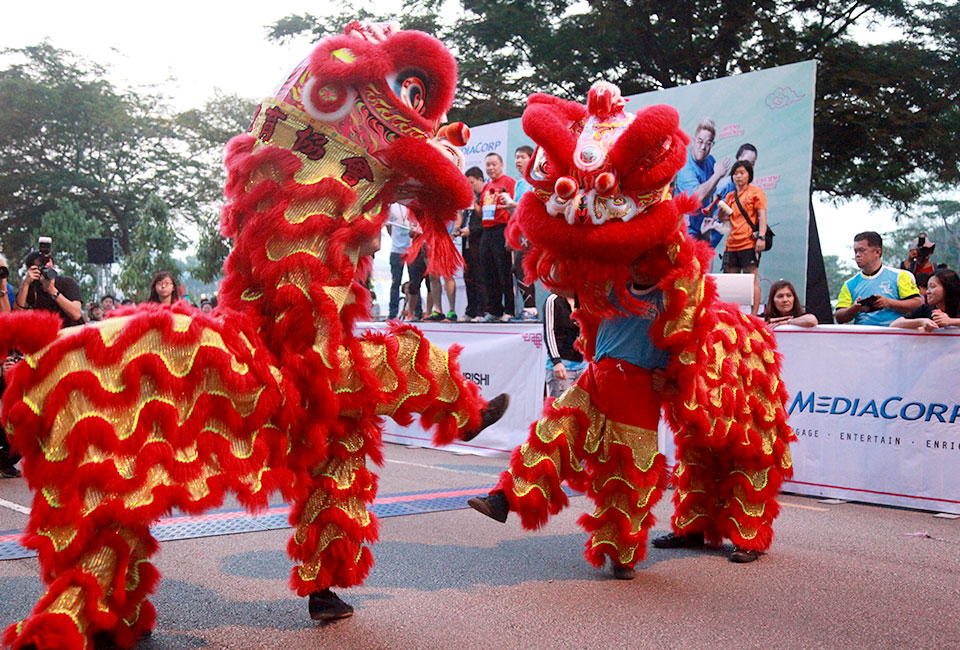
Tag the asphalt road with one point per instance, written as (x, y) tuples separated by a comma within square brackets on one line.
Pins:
[(838, 576)]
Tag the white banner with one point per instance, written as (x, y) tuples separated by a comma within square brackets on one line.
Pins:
[(877, 414), (500, 358)]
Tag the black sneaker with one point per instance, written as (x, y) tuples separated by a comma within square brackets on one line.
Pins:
[(742, 555), (435, 316), (624, 572), (672, 540), (9, 471), (494, 506), (492, 412), (327, 606)]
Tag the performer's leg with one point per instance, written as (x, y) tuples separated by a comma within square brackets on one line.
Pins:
[(490, 272), (553, 453), (396, 278), (628, 472), (332, 522), (98, 585), (696, 507), (748, 492), (412, 376)]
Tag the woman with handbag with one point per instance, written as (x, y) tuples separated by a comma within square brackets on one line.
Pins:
[(746, 207)]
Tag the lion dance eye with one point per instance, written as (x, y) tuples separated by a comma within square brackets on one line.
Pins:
[(412, 91)]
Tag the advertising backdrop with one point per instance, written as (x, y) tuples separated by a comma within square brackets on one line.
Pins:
[(771, 109)]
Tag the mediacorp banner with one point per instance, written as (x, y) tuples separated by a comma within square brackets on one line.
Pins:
[(770, 109), (876, 413), (507, 358)]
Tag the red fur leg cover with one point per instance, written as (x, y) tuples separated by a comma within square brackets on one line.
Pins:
[(416, 376), (750, 497), (332, 522), (628, 472), (104, 588), (696, 509), (553, 453), (629, 477)]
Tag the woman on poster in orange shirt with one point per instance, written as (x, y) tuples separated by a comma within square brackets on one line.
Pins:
[(746, 208)]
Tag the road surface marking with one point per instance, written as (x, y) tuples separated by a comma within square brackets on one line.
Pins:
[(14, 506)]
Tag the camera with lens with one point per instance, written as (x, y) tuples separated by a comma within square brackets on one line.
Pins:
[(44, 245)]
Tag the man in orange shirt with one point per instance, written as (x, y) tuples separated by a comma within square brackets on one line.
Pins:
[(746, 208)]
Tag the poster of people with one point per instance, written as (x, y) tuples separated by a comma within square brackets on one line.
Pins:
[(765, 117)]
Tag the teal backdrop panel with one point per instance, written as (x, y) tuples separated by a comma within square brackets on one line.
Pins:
[(771, 109)]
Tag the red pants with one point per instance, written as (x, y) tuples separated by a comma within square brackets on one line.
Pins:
[(600, 437)]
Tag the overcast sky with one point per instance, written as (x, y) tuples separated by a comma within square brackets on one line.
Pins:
[(188, 49)]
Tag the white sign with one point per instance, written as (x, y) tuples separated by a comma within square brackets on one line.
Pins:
[(877, 414), (500, 358)]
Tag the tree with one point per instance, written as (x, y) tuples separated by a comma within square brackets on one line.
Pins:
[(887, 116), (152, 246), (69, 226), (940, 219), (65, 132), (838, 272), (206, 132)]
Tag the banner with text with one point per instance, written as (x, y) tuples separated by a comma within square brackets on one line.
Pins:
[(876, 413), (506, 358)]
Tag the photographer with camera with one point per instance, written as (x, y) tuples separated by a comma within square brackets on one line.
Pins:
[(43, 289), (878, 294), (918, 257)]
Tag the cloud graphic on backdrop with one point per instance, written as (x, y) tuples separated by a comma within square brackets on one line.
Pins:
[(783, 97)]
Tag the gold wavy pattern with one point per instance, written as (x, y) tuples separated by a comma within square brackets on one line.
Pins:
[(685, 520), (61, 536), (522, 487), (758, 478), (643, 443), (610, 535), (634, 512), (71, 602), (312, 243), (747, 532)]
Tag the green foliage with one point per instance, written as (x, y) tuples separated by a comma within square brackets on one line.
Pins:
[(940, 219), (65, 132), (887, 115), (69, 226), (838, 272), (206, 131), (152, 244)]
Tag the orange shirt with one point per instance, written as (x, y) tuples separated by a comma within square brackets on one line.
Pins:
[(741, 234)]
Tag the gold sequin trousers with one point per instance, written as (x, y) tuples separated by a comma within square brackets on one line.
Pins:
[(583, 440), (332, 523), (722, 497)]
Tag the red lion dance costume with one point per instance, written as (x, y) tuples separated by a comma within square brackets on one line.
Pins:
[(601, 214), (123, 420)]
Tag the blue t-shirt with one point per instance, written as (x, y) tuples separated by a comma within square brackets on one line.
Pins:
[(11, 295), (628, 337), (522, 187), (892, 283), (693, 175)]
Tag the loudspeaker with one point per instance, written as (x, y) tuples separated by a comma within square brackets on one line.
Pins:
[(101, 251)]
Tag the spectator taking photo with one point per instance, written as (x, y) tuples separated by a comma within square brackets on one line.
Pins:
[(44, 289)]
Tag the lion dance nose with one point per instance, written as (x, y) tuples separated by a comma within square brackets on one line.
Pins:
[(565, 187)]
